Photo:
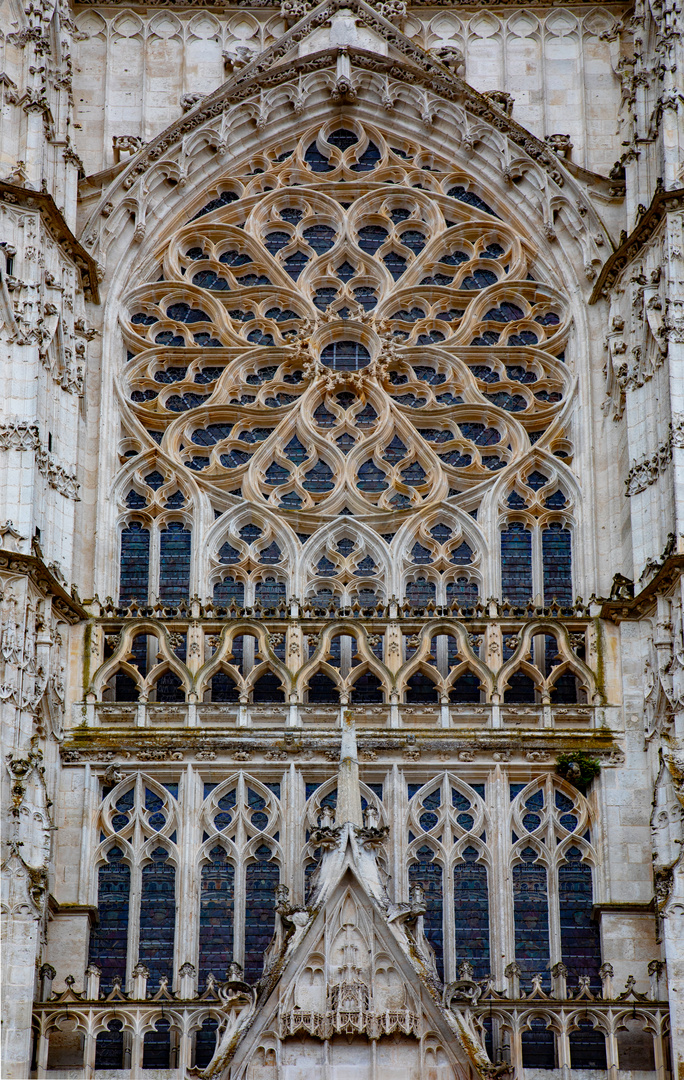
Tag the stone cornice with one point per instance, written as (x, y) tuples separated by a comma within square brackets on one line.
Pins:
[(417, 67), (174, 744), (644, 601), (13, 562), (256, 5), (27, 199), (663, 202)]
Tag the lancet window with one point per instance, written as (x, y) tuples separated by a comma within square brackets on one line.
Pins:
[(137, 862), (536, 538), (537, 866)]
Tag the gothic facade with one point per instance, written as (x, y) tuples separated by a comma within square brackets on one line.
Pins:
[(342, 571)]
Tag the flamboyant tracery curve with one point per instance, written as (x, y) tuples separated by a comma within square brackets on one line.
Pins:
[(346, 329)]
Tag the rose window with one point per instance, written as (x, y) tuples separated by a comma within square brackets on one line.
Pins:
[(347, 326)]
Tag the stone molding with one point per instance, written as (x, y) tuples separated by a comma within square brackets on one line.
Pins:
[(27, 199), (663, 203), (420, 68), (261, 4), (67, 606)]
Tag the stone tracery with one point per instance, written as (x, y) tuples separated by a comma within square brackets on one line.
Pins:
[(379, 347)]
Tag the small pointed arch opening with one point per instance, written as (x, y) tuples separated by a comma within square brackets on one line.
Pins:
[(421, 690), (367, 689), (466, 689), (268, 689), (321, 690), (221, 689)]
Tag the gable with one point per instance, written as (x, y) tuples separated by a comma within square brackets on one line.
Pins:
[(350, 996)]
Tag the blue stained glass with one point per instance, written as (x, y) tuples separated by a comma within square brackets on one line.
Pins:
[(174, 563), (157, 1046), (135, 563), (158, 917), (557, 560), (109, 940), (345, 356), (216, 916), (109, 1047), (261, 878), (229, 591), (471, 912), (531, 915), (205, 1042), (428, 873), (580, 935), (587, 1047), (516, 563), (539, 1046), (469, 197)]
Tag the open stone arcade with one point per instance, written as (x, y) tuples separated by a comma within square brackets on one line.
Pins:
[(342, 570)]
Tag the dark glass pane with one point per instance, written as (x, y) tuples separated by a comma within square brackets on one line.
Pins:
[(587, 1047), (268, 689), (557, 560), (109, 1047), (174, 563), (539, 1047), (345, 356), (516, 563), (229, 591), (322, 690), (205, 1043), (471, 912), (420, 690), (466, 689), (158, 917), (109, 940), (531, 914), (520, 691), (157, 1046), (170, 688), (367, 690), (428, 873), (216, 916), (135, 563), (261, 878), (580, 936)]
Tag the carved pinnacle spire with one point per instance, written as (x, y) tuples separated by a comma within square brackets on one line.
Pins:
[(348, 791)]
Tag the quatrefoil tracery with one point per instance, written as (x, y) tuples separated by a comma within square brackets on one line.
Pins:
[(303, 331)]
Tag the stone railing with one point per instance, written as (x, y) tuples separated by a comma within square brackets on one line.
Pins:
[(632, 1027), (151, 715)]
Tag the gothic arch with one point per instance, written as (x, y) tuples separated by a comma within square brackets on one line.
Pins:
[(501, 202)]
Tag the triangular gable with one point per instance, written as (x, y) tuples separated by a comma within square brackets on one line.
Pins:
[(349, 981), (303, 49)]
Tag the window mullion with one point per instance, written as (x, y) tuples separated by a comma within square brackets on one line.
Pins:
[(187, 913), (155, 563), (537, 567), (555, 951), (448, 886), (240, 874), (501, 923), (136, 885)]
